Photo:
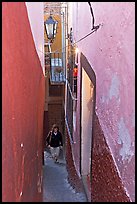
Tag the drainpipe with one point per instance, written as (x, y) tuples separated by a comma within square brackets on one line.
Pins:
[(64, 27)]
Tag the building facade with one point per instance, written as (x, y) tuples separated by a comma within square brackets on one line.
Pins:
[(54, 69), (101, 126), (23, 92)]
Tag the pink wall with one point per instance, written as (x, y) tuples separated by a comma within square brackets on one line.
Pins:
[(22, 108), (36, 17), (110, 52)]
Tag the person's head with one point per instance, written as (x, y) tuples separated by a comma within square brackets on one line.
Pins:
[(55, 128)]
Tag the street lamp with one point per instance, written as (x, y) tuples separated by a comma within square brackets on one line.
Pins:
[(51, 28)]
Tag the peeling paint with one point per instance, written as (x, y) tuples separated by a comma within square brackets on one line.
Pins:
[(114, 88), (124, 139), (113, 91)]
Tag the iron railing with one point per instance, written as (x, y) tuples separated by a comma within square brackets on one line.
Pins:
[(57, 68), (70, 103)]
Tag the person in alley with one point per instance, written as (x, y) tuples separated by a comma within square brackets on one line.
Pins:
[(54, 142)]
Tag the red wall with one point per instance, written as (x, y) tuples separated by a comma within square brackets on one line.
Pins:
[(106, 183), (73, 178), (22, 108)]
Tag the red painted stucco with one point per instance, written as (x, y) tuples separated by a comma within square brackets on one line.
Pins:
[(110, 53), (106, 184), (22, 108), (73, 178)]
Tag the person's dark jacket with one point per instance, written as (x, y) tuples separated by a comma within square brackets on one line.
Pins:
[(54, 140)]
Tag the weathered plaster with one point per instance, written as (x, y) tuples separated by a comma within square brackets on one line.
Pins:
[(114, 88), (125, 140), (110, 52)]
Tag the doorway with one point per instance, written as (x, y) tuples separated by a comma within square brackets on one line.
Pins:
[(87, 115), (87, 112)]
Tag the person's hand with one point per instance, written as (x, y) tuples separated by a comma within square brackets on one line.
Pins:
[(48, 146), (61, 147)]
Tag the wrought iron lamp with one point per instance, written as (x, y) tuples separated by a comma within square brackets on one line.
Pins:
[(51, 28)]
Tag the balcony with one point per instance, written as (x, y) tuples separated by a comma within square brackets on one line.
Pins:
[(57, 68)]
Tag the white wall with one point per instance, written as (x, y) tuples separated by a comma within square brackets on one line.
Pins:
[(36, 18), (87, 114)]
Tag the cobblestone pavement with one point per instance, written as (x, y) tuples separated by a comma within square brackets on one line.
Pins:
[(55, 185)]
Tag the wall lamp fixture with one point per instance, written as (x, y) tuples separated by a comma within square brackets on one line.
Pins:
[(51, 28)]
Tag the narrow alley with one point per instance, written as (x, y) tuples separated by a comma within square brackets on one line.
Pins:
[(68, 101), (55, 184)]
